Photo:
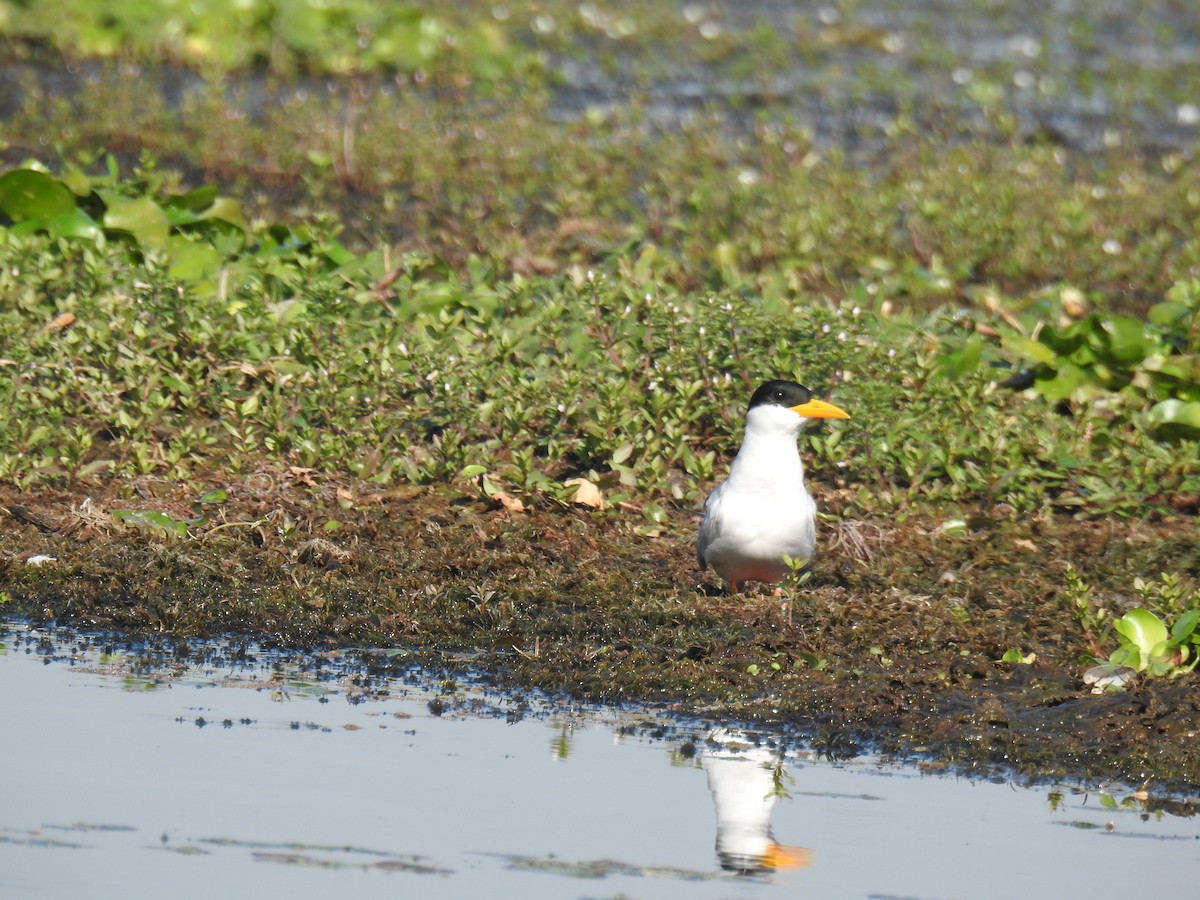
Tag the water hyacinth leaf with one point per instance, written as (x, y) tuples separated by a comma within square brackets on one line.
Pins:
[(142, 218), (195, 200), (28, 195), (78, 181), (75, 223), (183, 211), (1028, 350), (227, 210), (1128, 340), (1168, 313), (1063, 383), (191, 260), (1176, 415), (1143, 630)]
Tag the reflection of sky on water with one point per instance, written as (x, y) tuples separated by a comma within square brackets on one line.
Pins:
[(107, 781)]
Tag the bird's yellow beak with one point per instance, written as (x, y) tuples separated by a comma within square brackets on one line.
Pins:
[(782, 856), (819, 409)]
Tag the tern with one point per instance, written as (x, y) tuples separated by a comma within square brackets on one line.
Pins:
[(762, 512)]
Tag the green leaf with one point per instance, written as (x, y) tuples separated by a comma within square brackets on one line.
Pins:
[(621, 454), (29, 195), (336, 253), (191, 260), (143, 218), (1167, 313), (227, 210), (654, 513), (1176, 414), (75, 223), (151, 518), (195, 200), (1063, 384), (1143, 630), (963, 361), (1129, 656), (1128, 340), (1028, 350), (288, 311), (472, 471), (1185, 625)]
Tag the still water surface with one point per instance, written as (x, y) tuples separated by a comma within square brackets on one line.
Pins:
[(259, 778)]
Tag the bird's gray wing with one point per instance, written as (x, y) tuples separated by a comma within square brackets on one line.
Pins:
[(707, 526)]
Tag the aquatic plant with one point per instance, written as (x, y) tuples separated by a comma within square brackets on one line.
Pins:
[(1163, 641)]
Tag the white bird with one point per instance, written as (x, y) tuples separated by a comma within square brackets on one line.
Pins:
[(762, 511)]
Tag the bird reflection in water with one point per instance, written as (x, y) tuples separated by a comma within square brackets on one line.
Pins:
[(745, 781)]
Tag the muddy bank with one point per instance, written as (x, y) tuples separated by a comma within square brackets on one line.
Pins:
[(894, 643)]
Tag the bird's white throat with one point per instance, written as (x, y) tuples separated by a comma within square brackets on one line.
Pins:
[(769, 458)]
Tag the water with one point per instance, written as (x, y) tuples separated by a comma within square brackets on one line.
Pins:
[(266, 780)]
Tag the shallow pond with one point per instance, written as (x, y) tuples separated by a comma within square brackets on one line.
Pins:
[(139, 773)]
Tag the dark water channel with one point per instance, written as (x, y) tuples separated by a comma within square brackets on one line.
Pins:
[(269, 778)]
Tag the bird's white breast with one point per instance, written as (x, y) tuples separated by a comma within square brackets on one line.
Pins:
[(763, 511)]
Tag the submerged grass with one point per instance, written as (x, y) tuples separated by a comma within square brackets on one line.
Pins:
[(258, 421)]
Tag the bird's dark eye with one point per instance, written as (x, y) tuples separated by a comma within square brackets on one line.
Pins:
[(779, 395)]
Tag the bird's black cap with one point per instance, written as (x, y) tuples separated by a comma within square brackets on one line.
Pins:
[(787, 394)]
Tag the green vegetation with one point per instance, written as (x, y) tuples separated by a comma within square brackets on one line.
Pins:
[(153, 331), (1107, 364), (341, 37), (1160, 638)]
